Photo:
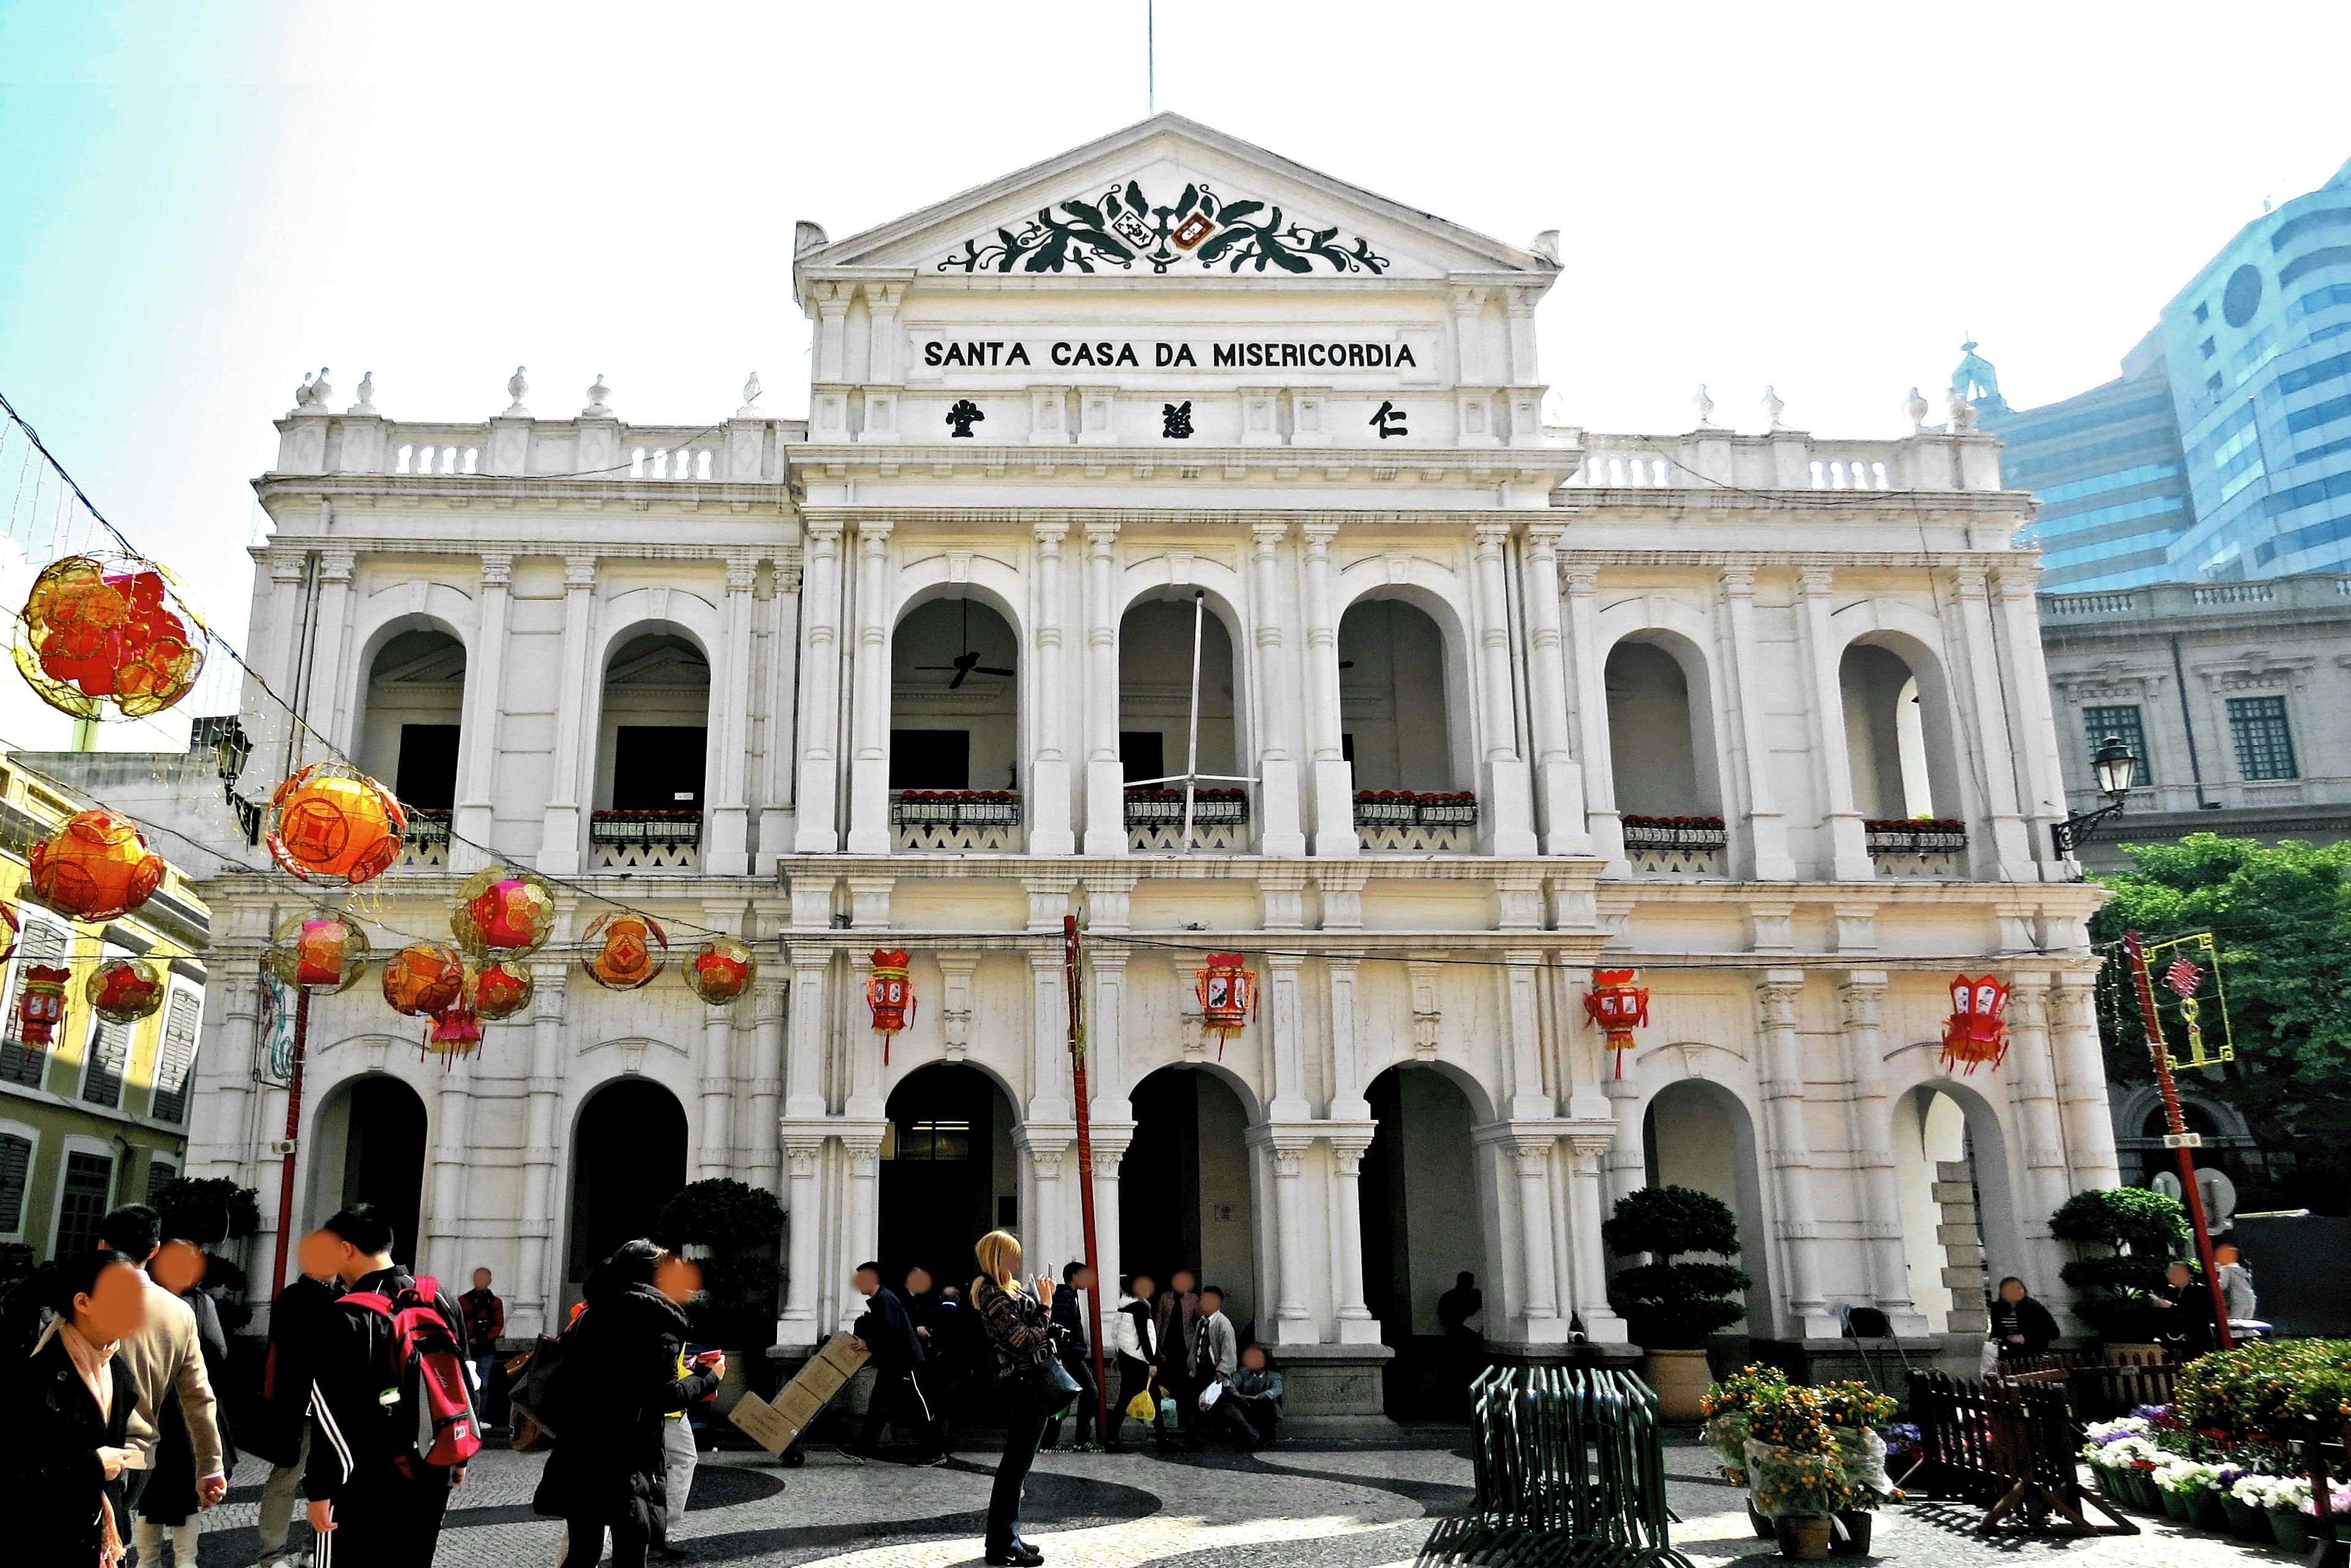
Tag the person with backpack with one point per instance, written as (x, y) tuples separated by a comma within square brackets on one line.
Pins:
[(392, 1418), (617, 1381), (279, 1427)]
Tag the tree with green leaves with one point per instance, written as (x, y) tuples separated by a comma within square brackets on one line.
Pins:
[(2281, 917), (2122, 1237), (741, 1228), (1668, 1305)]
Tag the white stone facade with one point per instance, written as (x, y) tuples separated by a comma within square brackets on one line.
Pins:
[(1770, 603)]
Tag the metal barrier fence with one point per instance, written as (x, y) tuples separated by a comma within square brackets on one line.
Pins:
[(1571, 1473), (2007, 1447)]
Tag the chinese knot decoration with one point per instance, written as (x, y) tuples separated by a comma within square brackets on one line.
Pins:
[(91, 637), (319, 953), (41, 1002), (635, 952), (891, 994), (335, 821), (504, 912), (96, 867), (499, 992), (124, 990), (1227, 993), (424, 978), (457, 1030), (1618, 1006), (1976, 1035), (721, 970)]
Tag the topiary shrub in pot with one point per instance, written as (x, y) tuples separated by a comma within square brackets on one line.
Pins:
[(212, 1211), (2122, 1237), (1671, 1308), (738, 1228)]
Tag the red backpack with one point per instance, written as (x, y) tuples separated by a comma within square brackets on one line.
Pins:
[(428, 1369)]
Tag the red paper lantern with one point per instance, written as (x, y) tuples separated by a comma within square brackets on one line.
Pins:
[(322, 952), (1976, 1034), (124, 990), (96, 867), (424, 978), (635, 951), (41, 1002), (504, 912), (1227, 993), (335, 821), (98, 632), (891, 994), (1615, 1004), (499, 992), (457, 1031), (721, 970)]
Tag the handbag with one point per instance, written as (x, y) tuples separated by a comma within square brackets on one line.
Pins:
[(1048, 1383)]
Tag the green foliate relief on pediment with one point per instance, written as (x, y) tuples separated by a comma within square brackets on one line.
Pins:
[(1122, 226)]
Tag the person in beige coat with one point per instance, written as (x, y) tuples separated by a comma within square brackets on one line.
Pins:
[(166, 1363)]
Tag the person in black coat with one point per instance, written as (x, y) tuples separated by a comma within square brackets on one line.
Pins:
[(1075, 1347), (619, 1380), (65, 1416), (886, 1330), (2184, 1317), (2021, 1326)]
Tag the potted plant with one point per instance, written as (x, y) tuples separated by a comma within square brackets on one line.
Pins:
[(2122, 1237), (2192, 1492), (1854, 1413), (1672, 1307), (2248, 1520), (738, 1228), (1725, 1408), (1795, 1469)]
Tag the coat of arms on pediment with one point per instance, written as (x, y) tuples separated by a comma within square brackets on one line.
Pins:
[(1124, 227)]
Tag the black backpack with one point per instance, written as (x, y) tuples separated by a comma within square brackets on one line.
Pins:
[(538, 1395)]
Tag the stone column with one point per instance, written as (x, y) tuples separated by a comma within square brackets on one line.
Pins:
[(444, 1219), (1356, 1324), (221, 1141), (1869, 1131), (1522, 1037), (1589, 683), (1105, 774), (1046, 783), (798, 1323), (717, 1157), (1831, 758), (1559, 784), (2032, 730), (1584, 1215), (804, 1058), (1294, 1317), (281, 654), (1043, 1247), (2032, 1100), (1108, 1152), (2081, 1083), (861, 1046), (1286, 1027), (482, 716), (537, 1303), (819, 739), (1973, 665), (1347, 1076), (768, 1004), (726, 851), (1791, 1150), (1105, 1046), (779, 736), (1333, 780), (860, 1236), (325, 703), (1540, 1314), (869, 775), (1628, 1152), (1739, 668), (1506, 813), (1278, 833), (560, 830)]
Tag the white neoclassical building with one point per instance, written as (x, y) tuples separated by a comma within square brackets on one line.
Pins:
[(1482, 704)]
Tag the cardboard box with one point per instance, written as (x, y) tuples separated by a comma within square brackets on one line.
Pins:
[(776, 1426)]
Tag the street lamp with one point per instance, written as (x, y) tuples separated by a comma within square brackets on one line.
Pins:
[(2116, 770)]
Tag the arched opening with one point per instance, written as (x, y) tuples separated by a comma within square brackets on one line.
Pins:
[(1184, 1198), (1959, 1228), (955, 727), (628, 1158), (949, 1172), (1699, 1135), (416, 707), (1886, 737), (653, 753), (1155, 727), (1396, 693), (369, 1144), (1660, 729), (1423, 1231)]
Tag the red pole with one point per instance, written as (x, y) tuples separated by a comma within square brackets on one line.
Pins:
[(1104, 1419), (2145, 985), (292, 1129)]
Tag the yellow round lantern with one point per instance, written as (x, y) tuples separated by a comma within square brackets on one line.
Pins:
[(633, 950), (321, 952), (124, 990), (96, 867), (424, 977), (721, 970), (335, 821), (99, 631), (499, 992), (504, 912)]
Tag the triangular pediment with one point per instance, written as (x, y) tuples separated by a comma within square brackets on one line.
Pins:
[(1170, 198)]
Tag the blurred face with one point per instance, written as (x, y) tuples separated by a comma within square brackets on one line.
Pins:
[(115, 1308), (179, 1266), (2224, 1254), (918, 1281), (679, 1279), (321, 1255), (1182, 1282), (2178, 1274), (2012, 1291), (1143, 1286), (481, 1279), (866, 1280), (1212, 1300), (1253, 1358), (1083, 1280)]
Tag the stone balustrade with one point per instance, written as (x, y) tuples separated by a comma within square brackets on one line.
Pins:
[(1782, 460)]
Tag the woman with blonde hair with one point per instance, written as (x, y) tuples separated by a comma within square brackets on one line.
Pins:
[(1018, 1321)]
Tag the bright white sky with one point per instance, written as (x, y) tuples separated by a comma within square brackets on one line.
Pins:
[(199, 203)]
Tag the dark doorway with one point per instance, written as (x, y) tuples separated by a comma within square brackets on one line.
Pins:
[(940, 1173), (1422, 1231), (930, 759), (1184, 1198), (1143, 753), (658, 767), (428, 766), (383, 1156), (628, 1158)]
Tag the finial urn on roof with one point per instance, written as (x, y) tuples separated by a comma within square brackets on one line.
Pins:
[(600, 400), (516, 389)]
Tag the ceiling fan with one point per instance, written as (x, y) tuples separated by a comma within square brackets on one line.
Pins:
[(967, 662)]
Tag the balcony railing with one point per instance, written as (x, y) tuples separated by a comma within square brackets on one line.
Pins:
[(1917, 846), (1154, 820), (1438, 823), (954, 818), (1676, 846), (645, 840), (425, 846)]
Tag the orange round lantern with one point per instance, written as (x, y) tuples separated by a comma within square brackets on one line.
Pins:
[(423, 978), (503, 911), (457, 1030), (98, 632), (635, 952), (335, 821), (499, 992), (124, 990), (96, 867), (721, 970), (321, 952)]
